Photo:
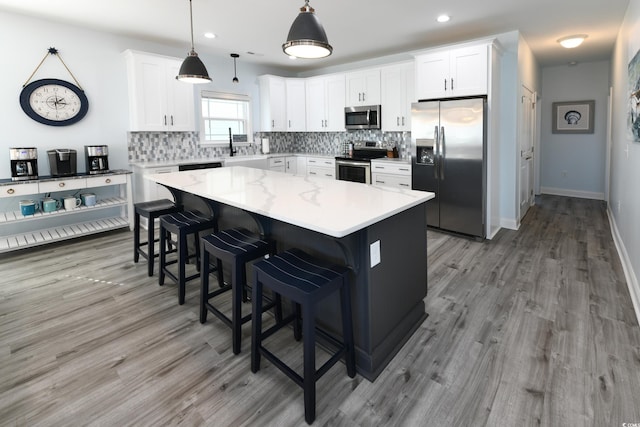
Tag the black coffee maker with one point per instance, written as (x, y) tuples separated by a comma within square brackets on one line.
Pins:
[(96, 157), (62, 162), (24, 163)]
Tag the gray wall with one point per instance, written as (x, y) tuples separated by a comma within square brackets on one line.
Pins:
[(574, 165)]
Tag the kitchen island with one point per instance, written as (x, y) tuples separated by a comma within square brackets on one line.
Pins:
[(378, 232)]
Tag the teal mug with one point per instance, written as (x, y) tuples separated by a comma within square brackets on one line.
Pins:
[(28, 207), (50, 205)]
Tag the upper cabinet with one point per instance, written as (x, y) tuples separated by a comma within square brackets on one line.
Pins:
[(363, 88), (325, 98), (157, 101), (296, 105), (273, 104), (397, 95), (454, 72)]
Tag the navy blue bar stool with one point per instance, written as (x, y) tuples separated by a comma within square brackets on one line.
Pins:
[(236, 246), (182, 224), (306, 281), (150, 210)]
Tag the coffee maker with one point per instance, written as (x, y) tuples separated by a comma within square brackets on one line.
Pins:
[(96, 158), (62, 162), (24, 163)]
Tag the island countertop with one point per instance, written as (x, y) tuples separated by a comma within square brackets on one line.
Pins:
[(335, 208)]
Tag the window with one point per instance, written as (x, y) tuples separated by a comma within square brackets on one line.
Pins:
[(221, 111)]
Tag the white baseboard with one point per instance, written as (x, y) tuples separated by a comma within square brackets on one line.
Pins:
[(630, 276), (509, 223), (572, 193)]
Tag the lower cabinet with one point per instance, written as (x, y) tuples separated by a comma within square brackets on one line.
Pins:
[(112, 210), (391, 174), (277, 164), (145, 190), (324, 167)]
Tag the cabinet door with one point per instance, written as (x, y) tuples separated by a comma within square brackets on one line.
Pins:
[(148, 99), (335, 103), (397, 95), (363, 88), (432, 76), (315, 104), (296, 105), (291, 165), (272, 104), (180, 101), (469, 70)]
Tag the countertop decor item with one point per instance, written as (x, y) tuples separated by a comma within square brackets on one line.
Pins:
[(54, 102), (307, 38), (192, 69)]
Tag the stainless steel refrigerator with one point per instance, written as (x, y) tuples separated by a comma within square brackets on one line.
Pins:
[(448, 153)]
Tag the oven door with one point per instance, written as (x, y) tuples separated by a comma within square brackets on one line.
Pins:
[(353, 170)]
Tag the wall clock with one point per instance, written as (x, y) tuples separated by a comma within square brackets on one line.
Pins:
[(54, 102)]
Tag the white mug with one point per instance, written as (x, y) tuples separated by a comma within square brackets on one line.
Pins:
[(71, 203)]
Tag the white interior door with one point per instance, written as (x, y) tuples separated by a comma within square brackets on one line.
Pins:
[(526, 141)]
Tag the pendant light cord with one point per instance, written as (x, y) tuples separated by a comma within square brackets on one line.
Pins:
[(191, 16), (54, 51)]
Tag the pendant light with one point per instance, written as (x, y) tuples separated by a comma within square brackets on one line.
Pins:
[(192, 69), (235, 74), (307, 38)]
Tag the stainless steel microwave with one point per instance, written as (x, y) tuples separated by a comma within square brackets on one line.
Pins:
[(365, 117)]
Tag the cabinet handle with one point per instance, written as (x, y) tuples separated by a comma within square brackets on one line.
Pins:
[(452, 83), (445, 84), (273, 123), (165, 119), (404, 185), (397, 121), (379, 182), (359, 97), (11, 191), (108, 180), (363, 96), (61, 184), (172, 120), (289, 123), (404, 169), (312, 173)]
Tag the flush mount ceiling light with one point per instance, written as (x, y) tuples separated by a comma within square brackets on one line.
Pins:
[(570, 42), (307, 38), (443, 18), (192, 69), (235, 74)]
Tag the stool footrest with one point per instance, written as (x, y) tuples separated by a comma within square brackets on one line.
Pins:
[(282, 366)]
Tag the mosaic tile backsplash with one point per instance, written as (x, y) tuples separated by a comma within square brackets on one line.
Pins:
[(167, 146)]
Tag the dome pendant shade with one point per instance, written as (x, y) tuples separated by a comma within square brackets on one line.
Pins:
[(192, 69), (307, 38)]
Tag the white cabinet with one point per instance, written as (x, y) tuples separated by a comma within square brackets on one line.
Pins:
[(273, 104), (397, 95), (323, 167), (363, 88), (325, 99), (145, 190), (277, 164), (113, 210), (391, 174), (295, 105), (296, 165), (157, 101), (454, 72)]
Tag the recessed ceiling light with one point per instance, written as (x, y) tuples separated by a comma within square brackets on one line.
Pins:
[(443, 18), (293, 58), (210, 35), (570, 42)]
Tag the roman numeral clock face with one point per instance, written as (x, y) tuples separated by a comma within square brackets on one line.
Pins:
[(54, 102)]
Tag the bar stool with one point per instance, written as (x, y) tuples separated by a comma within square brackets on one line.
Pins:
[(182, 224), (150, 210), (236, 246), (305, 281)]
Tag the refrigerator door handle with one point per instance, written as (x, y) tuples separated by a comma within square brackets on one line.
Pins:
[(443, 152), (436, 150)]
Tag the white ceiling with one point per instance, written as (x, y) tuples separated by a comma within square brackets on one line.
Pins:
[(356, 30)]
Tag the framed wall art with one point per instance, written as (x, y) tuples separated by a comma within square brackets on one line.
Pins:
[(573, 116), (633, 121)]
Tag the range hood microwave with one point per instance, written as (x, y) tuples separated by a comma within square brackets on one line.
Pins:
[(365, 117)]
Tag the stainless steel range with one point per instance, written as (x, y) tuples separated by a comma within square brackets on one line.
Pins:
[(355, 165)]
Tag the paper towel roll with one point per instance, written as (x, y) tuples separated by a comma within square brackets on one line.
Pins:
[(265, 145)]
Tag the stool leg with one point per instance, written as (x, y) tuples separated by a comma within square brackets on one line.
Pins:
[(237, 286), (220, 274), (297, 329), (163, 255), (309, 346), (182, 261), (197, 251), (347, 329), (204, 284), (256, 325), (150, 245), (136, 237)]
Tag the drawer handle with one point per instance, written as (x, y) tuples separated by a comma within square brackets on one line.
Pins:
[(61, 184), (108, 180), (11, 191), (404, 185), (403, 169)]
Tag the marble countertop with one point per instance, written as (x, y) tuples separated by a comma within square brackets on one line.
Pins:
[(332, 207)]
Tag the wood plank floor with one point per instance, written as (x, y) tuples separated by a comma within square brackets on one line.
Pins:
[(535, 327)]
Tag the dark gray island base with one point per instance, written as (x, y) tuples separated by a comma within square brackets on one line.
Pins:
[(387, 299)]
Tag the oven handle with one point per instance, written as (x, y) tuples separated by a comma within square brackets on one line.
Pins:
[(351, 163)]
